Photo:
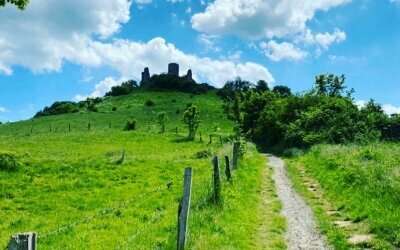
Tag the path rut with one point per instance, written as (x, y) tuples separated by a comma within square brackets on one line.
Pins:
[(302, 232)]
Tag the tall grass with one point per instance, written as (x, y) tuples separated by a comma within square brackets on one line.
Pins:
[(364, 183)]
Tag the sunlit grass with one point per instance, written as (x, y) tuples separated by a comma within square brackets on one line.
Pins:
[(69, 176)]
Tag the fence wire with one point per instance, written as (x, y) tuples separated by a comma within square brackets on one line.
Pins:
[(104, 211), (158, 215)]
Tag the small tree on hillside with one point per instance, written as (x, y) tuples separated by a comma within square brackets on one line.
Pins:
[(191, 117), (161, 119)]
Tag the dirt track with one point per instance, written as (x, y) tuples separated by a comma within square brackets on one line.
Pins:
[(302, 232)]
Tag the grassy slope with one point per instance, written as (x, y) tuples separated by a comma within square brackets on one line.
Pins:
[(67, 176), (363, 182)]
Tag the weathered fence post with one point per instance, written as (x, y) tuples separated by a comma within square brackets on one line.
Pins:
[(210, 139), (50, 128), (201, 138), (228, 169), (69, 127), (23, 241), (220, 139), (183, 210), (217, 181), (236, 147), (31, 129), (89, 126)]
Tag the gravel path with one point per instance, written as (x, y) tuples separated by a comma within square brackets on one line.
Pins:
[(302, 231)]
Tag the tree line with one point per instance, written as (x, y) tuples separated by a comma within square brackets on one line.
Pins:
[(278, 119)]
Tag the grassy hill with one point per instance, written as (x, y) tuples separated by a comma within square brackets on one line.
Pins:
[(361, 183), (68, 183)]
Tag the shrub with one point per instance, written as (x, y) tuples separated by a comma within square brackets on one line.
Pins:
[(9, 162), (203, 154), (149, 103), (130, 125)]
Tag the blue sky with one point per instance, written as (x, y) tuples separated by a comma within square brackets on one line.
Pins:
[(69, 50)]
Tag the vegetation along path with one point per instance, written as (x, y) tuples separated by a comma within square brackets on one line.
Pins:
[(302, 232)]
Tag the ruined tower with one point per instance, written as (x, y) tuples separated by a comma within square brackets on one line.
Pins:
[(189, 76), (173, 69), (145, 75)]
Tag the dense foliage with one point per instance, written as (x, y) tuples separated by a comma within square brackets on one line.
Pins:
[(125, 88), (68, 107), (21, 4), (170, 82), (325, 114)]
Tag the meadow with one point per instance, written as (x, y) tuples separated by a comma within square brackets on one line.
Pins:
[(65, 177), (361, 183)]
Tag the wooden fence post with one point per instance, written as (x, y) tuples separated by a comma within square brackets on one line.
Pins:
[(210, 139), (220, 139), (50, 128), (69, 127), (23, 241), (236, 147), (31, 129), (228, 169), (217, 181), (201, 138), (183, 210), (89, 126)]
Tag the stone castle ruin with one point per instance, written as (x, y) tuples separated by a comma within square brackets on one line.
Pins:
[(173, 70)]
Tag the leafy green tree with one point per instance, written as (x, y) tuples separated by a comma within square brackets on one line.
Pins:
[(282, 90), (191, 117), (21, 4), (330, 84), (125, 88), (161, 119), (230, 87), (262, 86)]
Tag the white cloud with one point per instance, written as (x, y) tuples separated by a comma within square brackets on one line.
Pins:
[(395, 1), (53, 36), (100, 89), (280, 51), (209, 41), (389, 109), (129, 58), (322, 40), (2, 109), (256, 19), (174, 1)]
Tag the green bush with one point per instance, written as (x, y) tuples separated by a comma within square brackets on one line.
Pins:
[(130, 125), (9, 162), (149, 103), (203, 154)]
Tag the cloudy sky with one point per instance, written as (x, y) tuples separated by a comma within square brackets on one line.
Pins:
[(69, 50)]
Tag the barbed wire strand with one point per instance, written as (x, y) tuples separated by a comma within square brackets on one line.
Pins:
[(102, 212), (158, 215)]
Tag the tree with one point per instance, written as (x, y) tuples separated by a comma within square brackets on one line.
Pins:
[(282, 90), (330, 85), (21, 4), (161, 119), (191, 117), (262, 86)]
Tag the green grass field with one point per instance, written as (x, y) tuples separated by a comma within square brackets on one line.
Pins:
[(362, 183), (66, 177)]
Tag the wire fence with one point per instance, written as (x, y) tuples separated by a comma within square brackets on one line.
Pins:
[(102, 212), (205, 194)]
